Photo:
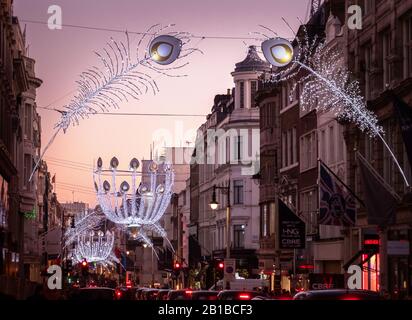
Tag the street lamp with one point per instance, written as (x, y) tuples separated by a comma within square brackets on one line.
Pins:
[(214, 204)]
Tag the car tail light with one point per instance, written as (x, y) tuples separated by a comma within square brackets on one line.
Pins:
[(244, 296), (118, 294), (188, 292), (350, 298)]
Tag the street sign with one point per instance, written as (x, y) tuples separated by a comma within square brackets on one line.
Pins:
[(230, 270)]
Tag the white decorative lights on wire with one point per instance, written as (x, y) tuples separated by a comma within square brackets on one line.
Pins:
[(121, 76), (325, 81), (83, 222), (95, 247), (140, 200)]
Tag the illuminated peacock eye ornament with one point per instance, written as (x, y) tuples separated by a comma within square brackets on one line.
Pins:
[(278, 51), (165, 49)]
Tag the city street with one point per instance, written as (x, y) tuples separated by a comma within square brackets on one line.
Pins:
[(205, 151)]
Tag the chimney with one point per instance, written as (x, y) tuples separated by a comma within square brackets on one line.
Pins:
[(228, 92)]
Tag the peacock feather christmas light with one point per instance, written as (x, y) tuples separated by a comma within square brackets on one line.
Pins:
[(123, 75), (325, 81)]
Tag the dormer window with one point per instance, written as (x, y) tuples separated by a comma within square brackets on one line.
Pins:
[(242, 94)]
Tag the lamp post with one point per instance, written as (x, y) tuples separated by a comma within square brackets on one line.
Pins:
[(214, 204)]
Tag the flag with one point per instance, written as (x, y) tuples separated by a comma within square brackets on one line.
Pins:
[(337, 207), (404, 115), (380, 199), (54, 179), (292, 229)]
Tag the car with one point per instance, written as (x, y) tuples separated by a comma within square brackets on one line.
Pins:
[(94, 293), (204, 295), (149, 294), (185, 294), (162, 294), (337, 294), (237, 295), (126, 293)]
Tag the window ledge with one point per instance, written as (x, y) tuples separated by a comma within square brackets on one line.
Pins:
[(289, 106), (289, 167)]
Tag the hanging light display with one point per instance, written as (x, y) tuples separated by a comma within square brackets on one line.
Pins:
[(124, 74), (83, 221), (139, 199), (95, 246), (325, 81)]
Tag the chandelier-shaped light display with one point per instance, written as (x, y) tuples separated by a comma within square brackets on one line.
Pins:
[(140, 198), (94, 246)]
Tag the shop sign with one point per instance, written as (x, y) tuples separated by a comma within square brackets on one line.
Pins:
[(398, 248)]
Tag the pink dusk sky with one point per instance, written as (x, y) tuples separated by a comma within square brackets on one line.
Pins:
[(61, 55)]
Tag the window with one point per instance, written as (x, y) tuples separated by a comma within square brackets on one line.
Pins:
[(238, 192), (253, 90), (308, 151), (242, 94), (369, 143), (341, 147), (308, 209), (389, 169), (386, 51), (323, 145), (367, 6), (289, 148), (239, 236), (4, 202), (284, 159), (332, 145), (238, 148), (290, 94), (294, 146), (406, 165), (407, 48), (264, 221), (27, 121), (367, 66), (27, 171)]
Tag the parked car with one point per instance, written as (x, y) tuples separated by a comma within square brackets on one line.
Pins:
[(185, 294), (149, 294), (237, 295), (204, 295), (94, 293), (162, 294), (337, 294), (126, 293)]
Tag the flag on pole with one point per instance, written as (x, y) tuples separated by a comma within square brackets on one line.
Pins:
[(380, 198), (54, 179), (404, 115), (337, 206)]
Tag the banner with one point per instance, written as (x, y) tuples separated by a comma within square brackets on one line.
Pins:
[(292, 230), (380, 199), (404, 115), (337, 206)]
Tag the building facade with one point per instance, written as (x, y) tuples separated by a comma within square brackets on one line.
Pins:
[(226, 156)]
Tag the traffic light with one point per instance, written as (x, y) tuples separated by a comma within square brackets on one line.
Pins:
[(177, 267), (219, 268), (69, 265), (85, 267)]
